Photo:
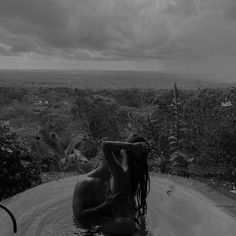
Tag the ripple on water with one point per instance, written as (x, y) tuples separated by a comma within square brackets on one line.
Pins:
[(55, 221), (42, 211), (47, 211)]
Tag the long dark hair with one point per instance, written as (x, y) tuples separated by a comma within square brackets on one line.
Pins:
[(139, 176)]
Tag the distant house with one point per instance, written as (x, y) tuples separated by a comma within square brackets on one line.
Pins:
[(226, 103), (40, 106), (41, 103)]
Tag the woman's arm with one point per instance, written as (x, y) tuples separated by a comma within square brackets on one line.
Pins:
[(93, 211), (109, 148), (117, 146), (102, 208)]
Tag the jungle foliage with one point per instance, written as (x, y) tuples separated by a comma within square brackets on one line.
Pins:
[(19, 168), (200, 124)]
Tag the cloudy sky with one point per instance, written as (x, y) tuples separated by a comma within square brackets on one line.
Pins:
[(167, 35)]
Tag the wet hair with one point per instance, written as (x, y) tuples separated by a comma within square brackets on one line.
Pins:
[(139, 176)]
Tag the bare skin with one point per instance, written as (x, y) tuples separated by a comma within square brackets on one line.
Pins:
[(90, 190), (122, 222)]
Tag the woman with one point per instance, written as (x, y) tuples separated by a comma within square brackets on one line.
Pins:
[(129, 185)]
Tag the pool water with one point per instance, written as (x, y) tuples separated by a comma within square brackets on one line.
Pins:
[(173, 211), (43, 211)]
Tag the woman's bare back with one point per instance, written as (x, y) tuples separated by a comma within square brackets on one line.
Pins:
[(120, 190)]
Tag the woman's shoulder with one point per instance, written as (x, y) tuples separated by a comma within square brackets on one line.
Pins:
[(84, 182)]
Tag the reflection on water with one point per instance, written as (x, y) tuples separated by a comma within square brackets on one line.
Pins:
[(95, 230), (47, 211), (44, 211)]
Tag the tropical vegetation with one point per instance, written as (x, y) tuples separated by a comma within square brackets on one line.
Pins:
[(191, 133)]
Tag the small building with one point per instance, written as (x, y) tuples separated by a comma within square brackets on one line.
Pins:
[(226, 103), (41, 103)]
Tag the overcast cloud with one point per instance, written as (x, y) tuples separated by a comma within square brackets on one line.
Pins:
[(167, 31)]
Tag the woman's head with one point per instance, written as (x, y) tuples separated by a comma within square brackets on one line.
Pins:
[(139, 176)]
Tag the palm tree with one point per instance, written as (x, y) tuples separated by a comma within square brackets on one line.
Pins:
[(179, 124)]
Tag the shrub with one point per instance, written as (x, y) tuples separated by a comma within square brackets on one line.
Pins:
[(19, 168)]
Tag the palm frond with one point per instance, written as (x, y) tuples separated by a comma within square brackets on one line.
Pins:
[(179, 123)]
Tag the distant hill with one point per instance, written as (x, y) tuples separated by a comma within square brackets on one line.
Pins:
[(104, 79)]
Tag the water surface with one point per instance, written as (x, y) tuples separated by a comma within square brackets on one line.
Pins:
[(174, 210)]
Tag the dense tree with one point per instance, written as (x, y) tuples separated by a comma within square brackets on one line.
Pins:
[(202, 121), (19, 168)]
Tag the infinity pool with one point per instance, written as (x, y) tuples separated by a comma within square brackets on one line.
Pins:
[(174, 210)]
